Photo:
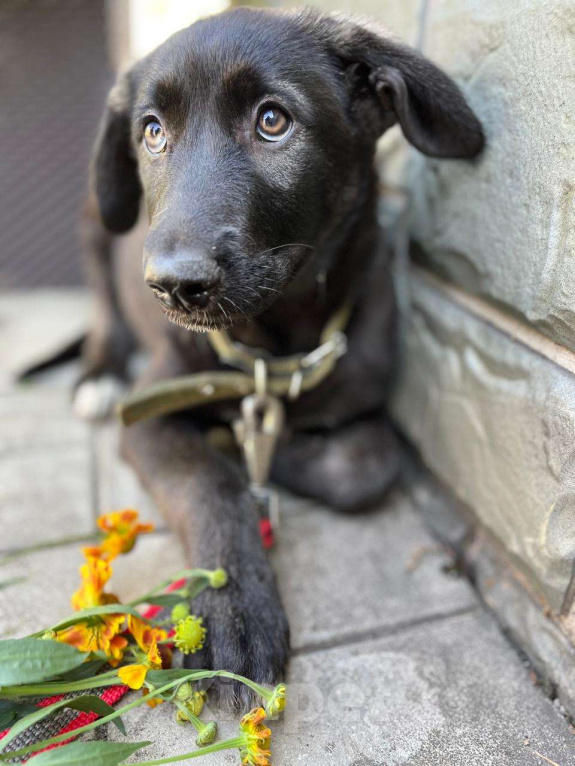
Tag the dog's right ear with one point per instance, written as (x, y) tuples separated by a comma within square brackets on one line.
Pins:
[(115, 167)]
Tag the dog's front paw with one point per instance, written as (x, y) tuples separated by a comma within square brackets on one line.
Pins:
[(95, 398), (247, 634)]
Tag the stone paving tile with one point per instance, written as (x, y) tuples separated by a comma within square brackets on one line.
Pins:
[(34, 324), (118, 485), (45, 465), (51, 577), (341, 576), (35, 417), (44, 496), (452, 693)]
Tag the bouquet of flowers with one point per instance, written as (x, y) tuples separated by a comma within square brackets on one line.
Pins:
[(91, 659)]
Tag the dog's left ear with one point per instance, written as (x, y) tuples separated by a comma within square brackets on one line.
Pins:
[(391, 82), (114, 166)]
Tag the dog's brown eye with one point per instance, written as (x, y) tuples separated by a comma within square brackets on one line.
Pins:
[(273, 123), (154, 137)]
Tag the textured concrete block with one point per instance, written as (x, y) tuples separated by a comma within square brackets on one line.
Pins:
[(402, 19), (341, 577), (504, 226), (424, 697), (495, 421)]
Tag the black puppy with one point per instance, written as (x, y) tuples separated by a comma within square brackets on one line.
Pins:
[(251, 138)]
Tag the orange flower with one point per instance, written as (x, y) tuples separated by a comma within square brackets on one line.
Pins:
[(135, 675), (154, 702), (122, 529), (144, 633), (256, 748), (95, 573), (100, 634)]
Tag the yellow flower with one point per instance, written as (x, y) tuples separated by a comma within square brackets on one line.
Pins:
[(95, 573), (135, 675), (99, 634), (256, 748), (121, 529), (190, 635)]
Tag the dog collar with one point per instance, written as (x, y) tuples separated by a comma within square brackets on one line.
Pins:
[(287, 376), (261, 380)]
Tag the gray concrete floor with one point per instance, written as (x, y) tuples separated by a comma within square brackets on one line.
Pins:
[(395, 660)]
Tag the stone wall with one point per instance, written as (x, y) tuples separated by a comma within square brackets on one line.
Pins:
[(487, 392)]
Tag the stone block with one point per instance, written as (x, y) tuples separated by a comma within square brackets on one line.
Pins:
[(495, 422), (504, 226)]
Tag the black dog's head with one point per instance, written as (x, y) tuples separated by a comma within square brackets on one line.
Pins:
[(252, 136)]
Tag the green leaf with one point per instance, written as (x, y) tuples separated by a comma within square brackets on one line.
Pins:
[(94, 753), (31, 660), (166, 599), (161, 677), (95, 611), (85, 670), (11, 711), (88, 703)]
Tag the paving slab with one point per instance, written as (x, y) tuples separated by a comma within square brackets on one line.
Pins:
[(452, 693), (341, 576), (34, 324), (45, 469), (50, 577), (34, 417), (117, 483)]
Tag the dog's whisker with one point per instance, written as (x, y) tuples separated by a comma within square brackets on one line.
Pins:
[(288, 244)]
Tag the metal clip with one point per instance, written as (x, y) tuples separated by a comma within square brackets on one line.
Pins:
[(257, 431)]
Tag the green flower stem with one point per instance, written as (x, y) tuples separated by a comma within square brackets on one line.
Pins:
[(193, 719), (229, 744), (183, 574), (194, 675), (60, 687), (261, 690)]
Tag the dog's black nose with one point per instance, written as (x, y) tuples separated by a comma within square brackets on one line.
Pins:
[(182, 280)]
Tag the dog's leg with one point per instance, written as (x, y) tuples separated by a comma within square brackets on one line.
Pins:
[(349, 468), (110, 342), (206, 501)]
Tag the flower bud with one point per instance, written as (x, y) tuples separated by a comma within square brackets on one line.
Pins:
[(182, 718), (218, 578), (190, 635), (277, 702), (195, 703), (180, 612), (207, 735), (184, 692)]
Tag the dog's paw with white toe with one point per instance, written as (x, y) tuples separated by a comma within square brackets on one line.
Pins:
[(96, 398)]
